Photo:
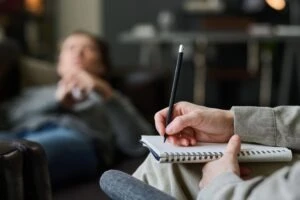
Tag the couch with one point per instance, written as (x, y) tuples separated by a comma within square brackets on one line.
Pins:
[(36, 72)]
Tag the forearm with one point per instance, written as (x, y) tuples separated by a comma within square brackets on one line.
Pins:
[(278, 126), (280, 185)]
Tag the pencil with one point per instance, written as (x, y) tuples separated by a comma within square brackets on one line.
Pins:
[(174, 88)]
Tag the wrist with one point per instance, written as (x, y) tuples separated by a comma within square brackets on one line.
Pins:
[(105, 90), (230, 121), (108, 93)]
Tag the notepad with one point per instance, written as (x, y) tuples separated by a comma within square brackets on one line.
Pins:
[(204, 152)]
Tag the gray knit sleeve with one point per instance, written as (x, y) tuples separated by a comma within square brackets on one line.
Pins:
[(283, 184), (279, 126)]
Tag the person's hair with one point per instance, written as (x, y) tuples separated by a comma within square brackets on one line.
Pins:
[(102, 46), (10, 56)]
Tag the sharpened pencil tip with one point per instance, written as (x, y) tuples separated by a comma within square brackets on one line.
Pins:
[(181, 48)]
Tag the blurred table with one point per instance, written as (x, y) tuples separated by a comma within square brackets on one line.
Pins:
[(290, 35)]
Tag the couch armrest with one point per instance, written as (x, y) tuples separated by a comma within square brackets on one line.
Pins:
[(11, 175), (23, 171)]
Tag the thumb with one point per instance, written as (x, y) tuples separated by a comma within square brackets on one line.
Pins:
[(233, 147)]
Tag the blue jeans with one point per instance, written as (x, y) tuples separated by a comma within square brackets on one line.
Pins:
[(70, 154), (120, 186)]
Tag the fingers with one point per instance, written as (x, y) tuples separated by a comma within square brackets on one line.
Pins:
[(160, 121), (183, 117), (181, 122), (233, 147), (160, 116), (182, 139), (80, 81)]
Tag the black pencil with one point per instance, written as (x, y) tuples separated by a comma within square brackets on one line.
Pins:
[(174, 87)]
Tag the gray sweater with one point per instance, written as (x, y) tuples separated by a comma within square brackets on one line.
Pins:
[(278, 126), (110, 123)]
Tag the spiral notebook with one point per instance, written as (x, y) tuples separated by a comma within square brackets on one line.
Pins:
[(204, 152)]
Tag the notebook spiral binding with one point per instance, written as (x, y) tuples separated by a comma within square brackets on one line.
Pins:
[(196, 156), (185, 157)]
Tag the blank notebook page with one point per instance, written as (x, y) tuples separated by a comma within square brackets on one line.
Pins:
[(204, 152)]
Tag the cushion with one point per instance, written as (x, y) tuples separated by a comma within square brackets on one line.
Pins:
[(37, 72)]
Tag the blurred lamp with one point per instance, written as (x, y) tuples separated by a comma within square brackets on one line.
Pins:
[(34, 6), (276, 4)]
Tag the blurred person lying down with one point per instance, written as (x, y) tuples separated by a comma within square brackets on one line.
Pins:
[(81, 121)]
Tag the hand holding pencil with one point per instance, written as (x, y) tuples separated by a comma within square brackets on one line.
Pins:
[(193, 123), (185, 124)]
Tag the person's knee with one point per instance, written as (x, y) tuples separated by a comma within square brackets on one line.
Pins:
[(106, 178), (119, 185), (113, 183)]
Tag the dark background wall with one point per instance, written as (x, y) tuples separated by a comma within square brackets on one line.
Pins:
[(121, 16)]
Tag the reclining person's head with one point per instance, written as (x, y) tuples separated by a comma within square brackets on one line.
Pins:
[(84, 51)]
